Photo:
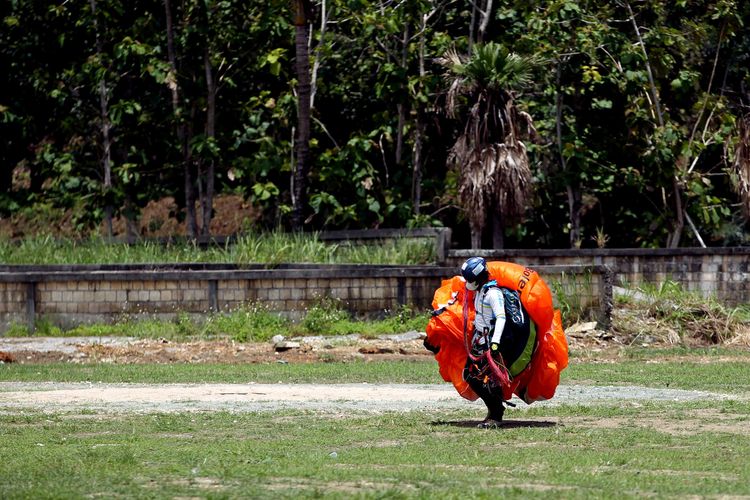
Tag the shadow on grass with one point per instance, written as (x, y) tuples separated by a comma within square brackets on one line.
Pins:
[(506, 424)]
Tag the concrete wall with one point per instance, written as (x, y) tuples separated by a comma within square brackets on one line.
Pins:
[(721, 272), (72, 295)]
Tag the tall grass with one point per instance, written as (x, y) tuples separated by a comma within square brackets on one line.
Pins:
[(574, 295), (49, 250), (253, 323), (262, 248)]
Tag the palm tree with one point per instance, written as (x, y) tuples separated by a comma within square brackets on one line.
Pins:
[(493, 168)]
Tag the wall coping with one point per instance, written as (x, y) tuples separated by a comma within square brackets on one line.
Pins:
[(155, 272), (598, 252)]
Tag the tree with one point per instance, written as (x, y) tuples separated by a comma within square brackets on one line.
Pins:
[(106, 125), (302, 20), (491, 159), (577, 100), (741, 163), (181, 123), (685, 136)]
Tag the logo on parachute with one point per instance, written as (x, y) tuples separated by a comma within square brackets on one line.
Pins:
[(525, 277)]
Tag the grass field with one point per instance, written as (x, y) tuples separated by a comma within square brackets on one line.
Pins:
[(622, 449)]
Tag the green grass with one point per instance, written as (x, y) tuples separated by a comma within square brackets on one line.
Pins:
[(690, 370), (336, 372), (572, 293), (715, 369), (262, 248), (601, 452), (254, 323), (616, 450)]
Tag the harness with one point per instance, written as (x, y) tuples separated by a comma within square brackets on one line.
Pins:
[(516, 319)]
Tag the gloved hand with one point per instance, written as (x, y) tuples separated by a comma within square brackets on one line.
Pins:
[(494, 348)]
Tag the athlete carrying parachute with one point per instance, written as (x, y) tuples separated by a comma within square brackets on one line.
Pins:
[(495, 333)]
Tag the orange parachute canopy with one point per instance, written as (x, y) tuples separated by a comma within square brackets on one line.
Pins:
[(446, 331)]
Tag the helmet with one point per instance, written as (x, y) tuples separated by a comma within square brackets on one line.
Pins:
[(474, 271)]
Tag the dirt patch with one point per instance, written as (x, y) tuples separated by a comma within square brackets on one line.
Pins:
[(328, 398), (252, 397), (159, 218), (128, 350), (163, 218), (121, 350)]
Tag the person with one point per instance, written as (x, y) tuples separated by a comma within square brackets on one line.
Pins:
[(515, 343), (503, 326)]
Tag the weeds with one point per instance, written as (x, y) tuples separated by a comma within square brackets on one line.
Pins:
[(573, 295), (321, 317), (265, 248), (672, 311), (256, 323), (253, 323)]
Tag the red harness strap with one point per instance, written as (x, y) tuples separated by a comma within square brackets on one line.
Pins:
[(499, 373)]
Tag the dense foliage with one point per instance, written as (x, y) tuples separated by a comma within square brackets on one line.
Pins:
[(639, 108)]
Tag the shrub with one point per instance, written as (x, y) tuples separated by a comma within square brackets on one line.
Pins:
[(321, 317), (256, 323)]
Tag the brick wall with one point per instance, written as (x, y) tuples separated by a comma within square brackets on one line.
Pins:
[(72, 295), (721, 272), (12, 304)]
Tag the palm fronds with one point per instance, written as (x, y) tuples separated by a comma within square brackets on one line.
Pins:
[(491, 67), (491, 159)]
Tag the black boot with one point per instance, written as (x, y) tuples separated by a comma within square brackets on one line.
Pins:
[(495, 411), (494, 403)]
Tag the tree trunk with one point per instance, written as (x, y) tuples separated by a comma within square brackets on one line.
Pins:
[(473, 21), (498, 236), (402, 107), (181, 126), (324, 13), (649, 72), (106, 127), (476, 238), (673, 241), (574, 206), (419, 126), (207, 200), (574, 194), (131, 223), (485, 19), (192, 178), (191, 221), (302, 141), (416, 176)]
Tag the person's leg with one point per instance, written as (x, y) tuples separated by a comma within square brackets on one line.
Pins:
[(494, 402)]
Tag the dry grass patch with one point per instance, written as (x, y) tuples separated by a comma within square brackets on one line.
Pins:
[(697, 422)]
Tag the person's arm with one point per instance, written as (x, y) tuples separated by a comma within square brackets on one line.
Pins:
[(497, 303)]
